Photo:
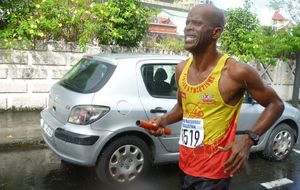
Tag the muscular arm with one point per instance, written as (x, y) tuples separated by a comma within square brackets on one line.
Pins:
[(264, 95), (249, 80)]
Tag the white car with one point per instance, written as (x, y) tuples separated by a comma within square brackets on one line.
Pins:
[(92, 112)]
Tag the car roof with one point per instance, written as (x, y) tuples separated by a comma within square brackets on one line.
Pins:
[(116, 57)]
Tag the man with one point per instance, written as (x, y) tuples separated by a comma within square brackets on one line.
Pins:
[(211, 89)]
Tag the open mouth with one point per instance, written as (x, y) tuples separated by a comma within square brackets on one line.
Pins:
[(190, 38)]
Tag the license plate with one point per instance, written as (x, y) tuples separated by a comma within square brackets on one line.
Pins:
[(46, 128)]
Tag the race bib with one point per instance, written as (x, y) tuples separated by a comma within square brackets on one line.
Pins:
[(192, 132)]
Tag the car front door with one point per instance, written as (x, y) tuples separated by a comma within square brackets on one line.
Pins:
[(158, 94)]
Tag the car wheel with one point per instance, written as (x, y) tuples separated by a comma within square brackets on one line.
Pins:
[(280, 143), (124, 160)]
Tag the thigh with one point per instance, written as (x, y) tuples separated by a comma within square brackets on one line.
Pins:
[(196, 183)]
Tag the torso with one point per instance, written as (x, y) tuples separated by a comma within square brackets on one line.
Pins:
[(210, 113), (230, 87)]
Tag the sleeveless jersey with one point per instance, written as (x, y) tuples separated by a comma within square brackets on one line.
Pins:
[(208, 123)]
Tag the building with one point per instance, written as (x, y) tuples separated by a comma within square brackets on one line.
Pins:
[(161, 25), (279, 22), (175, 4), (176, 17), (188, 4)]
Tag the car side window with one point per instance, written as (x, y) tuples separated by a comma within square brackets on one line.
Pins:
[(159, 80)]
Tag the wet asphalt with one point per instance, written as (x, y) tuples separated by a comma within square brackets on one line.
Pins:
[(38, 168)]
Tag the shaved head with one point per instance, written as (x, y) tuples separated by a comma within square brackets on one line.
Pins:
[(213, 14), (204, 25)]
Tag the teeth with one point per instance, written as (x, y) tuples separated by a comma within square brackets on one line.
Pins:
[(189, 38)]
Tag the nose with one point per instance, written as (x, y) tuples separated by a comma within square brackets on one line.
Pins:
[(187, 28), (188, 25)]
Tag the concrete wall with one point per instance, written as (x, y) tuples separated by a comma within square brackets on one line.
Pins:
[(279, 76), (26, 76)]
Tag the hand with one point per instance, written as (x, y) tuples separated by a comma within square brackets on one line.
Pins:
[(239, 156), (159, 132), (157, 121)]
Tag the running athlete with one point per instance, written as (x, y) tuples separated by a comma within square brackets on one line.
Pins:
[(211, 88)]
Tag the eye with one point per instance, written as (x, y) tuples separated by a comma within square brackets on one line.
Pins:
[(197, 23)]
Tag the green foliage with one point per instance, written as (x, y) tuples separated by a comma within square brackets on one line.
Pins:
[(172, 43), (240, 22), (244, 38), (78, 21), (8, 6), (124, 22), (295, 38)]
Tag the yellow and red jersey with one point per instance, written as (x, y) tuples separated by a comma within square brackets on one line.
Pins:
[(215, 124)]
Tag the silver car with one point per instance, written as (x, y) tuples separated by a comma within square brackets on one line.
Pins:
[(92, 112)]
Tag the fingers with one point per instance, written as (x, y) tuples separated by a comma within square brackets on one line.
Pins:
[(226, 148), (235, 163), (238, 167), (229, 163), (157, 133), (156, 121)]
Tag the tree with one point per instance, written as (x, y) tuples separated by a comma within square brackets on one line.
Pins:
[(293, 8), (248, 40), (240, 23), (78, 21), (8, 6), (123, 22), (276, 4), (296, 46)]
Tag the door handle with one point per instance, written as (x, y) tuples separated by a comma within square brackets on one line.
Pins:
[(158, 110)]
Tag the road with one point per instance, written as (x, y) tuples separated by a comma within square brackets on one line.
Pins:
[(39, 168)]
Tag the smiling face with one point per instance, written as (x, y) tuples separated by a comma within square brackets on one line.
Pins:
[(203, 27)]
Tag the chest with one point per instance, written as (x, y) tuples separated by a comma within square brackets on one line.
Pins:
[(207, 84)]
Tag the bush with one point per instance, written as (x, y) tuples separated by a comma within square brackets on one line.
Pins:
[(80, 21)]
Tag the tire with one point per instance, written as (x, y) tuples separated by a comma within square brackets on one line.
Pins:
[(123, 161), (280, 143)]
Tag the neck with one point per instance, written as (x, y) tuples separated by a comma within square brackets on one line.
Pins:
[(204, 60)]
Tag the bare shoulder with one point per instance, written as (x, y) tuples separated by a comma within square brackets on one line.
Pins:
[(180, 67), (240, 71), (182, 64)]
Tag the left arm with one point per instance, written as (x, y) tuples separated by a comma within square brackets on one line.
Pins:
[(265, 96)]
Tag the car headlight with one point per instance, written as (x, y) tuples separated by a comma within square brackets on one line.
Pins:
[(85, 114)]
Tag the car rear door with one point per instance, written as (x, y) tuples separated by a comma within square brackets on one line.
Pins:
[(158, 94), (250, 111)]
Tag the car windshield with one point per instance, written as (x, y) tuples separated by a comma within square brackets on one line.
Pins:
[(87, 76)]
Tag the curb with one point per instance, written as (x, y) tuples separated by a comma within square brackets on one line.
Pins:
[(28, 144)]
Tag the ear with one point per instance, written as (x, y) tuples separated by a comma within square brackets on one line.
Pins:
[(217, 32)]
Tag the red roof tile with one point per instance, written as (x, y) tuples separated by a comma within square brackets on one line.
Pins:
[(277, 16)]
